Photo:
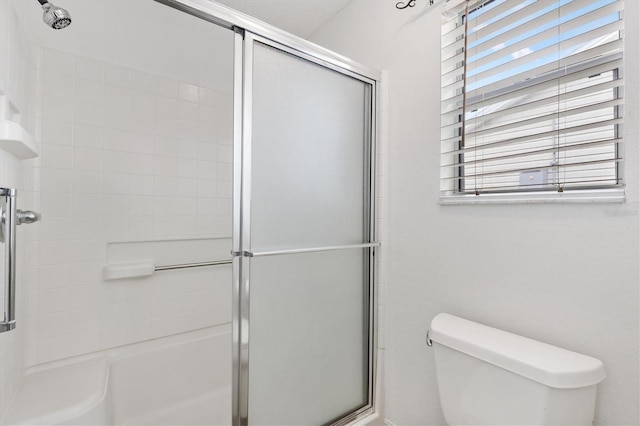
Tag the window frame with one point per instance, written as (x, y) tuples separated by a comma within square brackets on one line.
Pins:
[(587, 194)]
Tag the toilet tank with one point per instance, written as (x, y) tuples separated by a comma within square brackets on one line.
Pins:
[(488, 376)]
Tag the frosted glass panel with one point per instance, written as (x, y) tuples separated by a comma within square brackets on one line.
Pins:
[(308, 313), (308, 339), (308, 154)]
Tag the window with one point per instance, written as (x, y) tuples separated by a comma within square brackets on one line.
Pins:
[(532, 97)]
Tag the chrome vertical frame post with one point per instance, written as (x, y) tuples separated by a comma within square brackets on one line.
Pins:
[(370, 231), (8, 219), (237, 351), (243, 195)]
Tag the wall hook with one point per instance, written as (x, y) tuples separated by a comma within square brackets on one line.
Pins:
[(410, 3)]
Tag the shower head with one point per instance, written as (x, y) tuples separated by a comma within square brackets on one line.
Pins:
[(54, 16)]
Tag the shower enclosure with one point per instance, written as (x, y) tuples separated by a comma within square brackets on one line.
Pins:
[(202, 171)]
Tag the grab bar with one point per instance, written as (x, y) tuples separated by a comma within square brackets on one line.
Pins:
[(10, 217), (8, 224)]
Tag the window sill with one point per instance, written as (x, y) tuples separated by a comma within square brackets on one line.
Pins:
[(583, 196)]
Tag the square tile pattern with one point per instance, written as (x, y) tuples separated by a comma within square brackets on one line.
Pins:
[(126, 156)]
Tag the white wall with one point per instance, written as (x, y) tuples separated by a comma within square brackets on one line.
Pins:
[(16, 174), (565, 274), (132, 107), (140, 34), (127, 157)]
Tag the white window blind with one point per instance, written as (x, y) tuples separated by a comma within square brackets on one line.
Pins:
[(532, 96)]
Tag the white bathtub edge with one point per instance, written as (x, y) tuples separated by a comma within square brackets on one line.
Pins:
[(63, 394), (89, 406)]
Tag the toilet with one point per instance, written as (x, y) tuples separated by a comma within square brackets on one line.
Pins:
[(488, 376)]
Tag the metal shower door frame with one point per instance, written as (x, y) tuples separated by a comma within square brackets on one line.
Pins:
[(243, 81), (247, 30)]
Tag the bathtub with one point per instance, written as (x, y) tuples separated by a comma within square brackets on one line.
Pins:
[(178, 380)]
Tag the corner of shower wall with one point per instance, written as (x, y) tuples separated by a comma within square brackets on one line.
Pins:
[(15, 173), (382, 223)]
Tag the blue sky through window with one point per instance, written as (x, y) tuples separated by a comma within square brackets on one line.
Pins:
[(519, 37)]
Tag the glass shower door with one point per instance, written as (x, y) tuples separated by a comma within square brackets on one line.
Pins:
[(304, 242)]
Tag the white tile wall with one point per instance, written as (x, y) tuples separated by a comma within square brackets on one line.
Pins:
[(14, 173), (126, 155)]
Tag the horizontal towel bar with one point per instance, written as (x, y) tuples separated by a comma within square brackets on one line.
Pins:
[(312, 250), (192, 265), (120, 271)]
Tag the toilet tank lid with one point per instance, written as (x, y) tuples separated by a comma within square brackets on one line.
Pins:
[(550, 365)]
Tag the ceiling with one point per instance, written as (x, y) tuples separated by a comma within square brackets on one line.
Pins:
[(300, 17)]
